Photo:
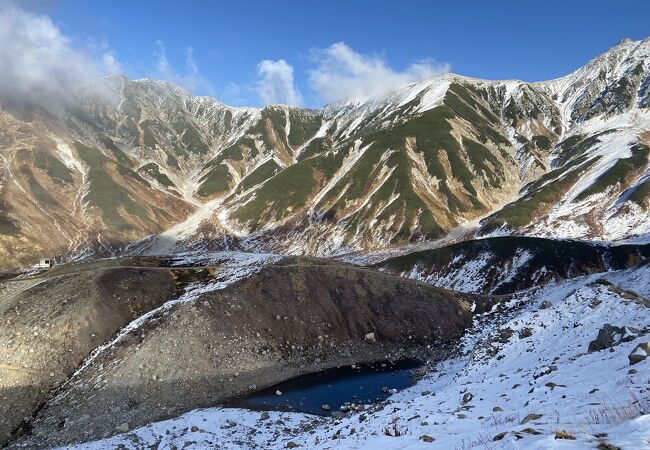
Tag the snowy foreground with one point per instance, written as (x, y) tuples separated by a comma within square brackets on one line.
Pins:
[(525, 379)]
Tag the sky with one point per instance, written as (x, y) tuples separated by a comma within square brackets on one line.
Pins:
[(251, 53)]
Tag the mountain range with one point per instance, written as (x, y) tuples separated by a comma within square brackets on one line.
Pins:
[(144, 167)]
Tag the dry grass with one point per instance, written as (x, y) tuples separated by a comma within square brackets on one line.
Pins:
[(564, 434), (612, 412)]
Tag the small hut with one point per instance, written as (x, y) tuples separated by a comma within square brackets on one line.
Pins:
[(45, 263)]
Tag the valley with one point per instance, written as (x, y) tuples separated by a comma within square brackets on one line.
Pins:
[(233, 277)]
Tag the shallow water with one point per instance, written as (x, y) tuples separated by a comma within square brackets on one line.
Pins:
[(365, 384)]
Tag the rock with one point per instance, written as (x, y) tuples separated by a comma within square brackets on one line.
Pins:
[(123, 428), (639, 353), (278, 392), (426, 438), (326, 407), (531, 431), (194, 429), (264, 416), (610, 336), (525, 332), (370, 337), (504, 335), (468, 397), (291, 444), (632, 372), (500, 436), (545, 371), (530, 417), (231, 423), (545, 304), (497, 409)]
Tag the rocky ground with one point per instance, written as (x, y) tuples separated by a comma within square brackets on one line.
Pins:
[(557, 367), (185, 333)]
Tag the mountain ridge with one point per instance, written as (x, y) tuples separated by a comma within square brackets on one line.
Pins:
[(431, 157)]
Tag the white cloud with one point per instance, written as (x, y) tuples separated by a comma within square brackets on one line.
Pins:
[(38, 65), (275, 84), (342, 73), (190, 78)]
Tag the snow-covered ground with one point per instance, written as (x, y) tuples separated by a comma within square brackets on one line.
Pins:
[(527, 359)]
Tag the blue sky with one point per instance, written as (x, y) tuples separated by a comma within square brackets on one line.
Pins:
[(384, 42)]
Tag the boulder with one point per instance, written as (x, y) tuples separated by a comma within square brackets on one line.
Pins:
[(639, 353), (610, 336), (370, 337)]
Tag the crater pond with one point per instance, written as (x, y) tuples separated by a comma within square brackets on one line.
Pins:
[(363, 384)]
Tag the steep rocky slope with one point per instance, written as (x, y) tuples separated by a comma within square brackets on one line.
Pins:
[(213, 327), (567, 158), (507, 264), (523, 378)]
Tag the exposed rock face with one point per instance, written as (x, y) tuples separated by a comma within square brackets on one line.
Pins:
[(203, 352)]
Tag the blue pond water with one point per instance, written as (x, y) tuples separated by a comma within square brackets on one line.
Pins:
[(365, 384)]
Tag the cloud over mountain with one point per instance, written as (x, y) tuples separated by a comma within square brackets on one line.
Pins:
[(39, 64), (342, 73)]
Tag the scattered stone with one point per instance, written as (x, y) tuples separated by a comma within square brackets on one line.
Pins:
[(291, 444), (232, 423), (370, 337), (525, 332), (545, 371), (264, 416), (504, 335), (500, 436), (467, 397), (123, 428), (546, 304), (497, 409), (278, 392), (530, 417), (194, 429), (531, 431), (426, 438), (326, 407), (639, 353), (632, 372)]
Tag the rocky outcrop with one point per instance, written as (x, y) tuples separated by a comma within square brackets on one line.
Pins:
[(610, 336)]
